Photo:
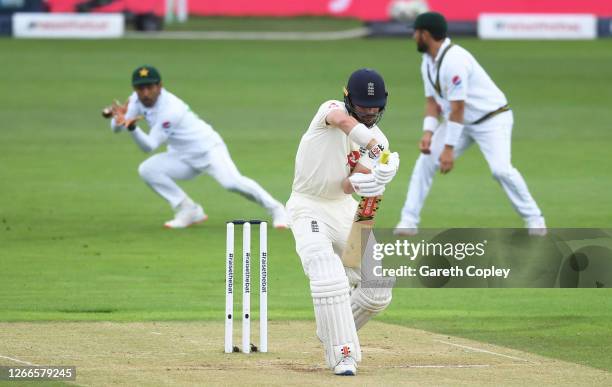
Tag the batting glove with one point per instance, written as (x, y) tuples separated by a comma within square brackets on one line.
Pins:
[(365, 185), (384, 173)]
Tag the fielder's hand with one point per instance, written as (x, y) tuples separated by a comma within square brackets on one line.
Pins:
[(365, 185), (447, 159), (425, 143), (384, 173), (119, 112)]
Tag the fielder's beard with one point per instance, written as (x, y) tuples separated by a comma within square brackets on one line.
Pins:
[(422, 47), (148, 102)]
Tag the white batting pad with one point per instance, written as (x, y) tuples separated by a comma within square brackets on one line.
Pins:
[(330, 294), (368, 302)]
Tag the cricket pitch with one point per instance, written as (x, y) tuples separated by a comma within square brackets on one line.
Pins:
[(191, 353)]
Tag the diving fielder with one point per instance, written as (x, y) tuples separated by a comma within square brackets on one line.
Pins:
[(463, 106), (194, 147), (336, 157)]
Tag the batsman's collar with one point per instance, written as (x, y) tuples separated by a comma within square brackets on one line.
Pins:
[(144, 75), (433, 22)]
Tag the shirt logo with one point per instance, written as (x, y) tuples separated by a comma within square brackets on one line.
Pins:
[(456, 80), (353, 158), (166, 125), (314, 226), (370, 88), (345, 350), (375, 152)]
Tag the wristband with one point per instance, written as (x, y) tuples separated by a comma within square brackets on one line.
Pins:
[(430, 124), (131, 127), (361, 135), (453, 132)]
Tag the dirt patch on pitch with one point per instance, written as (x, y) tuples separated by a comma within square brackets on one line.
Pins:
[(189, 353)]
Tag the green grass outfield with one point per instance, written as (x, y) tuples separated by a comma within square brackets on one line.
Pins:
[(81, 235)]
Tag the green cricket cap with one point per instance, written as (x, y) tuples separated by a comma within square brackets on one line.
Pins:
[(144, 75), (433, 22)]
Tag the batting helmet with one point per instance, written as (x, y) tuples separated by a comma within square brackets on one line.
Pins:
[(365, 88)]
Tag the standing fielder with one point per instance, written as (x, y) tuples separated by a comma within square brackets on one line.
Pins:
[(193, 147), (473, 109), (336, 157)]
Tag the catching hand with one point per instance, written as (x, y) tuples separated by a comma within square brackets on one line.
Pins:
[(118, 110)]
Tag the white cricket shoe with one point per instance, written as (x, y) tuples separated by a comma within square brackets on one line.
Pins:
[(536, 226), (346, 367), (406, 228), (186, 216), (280, 218)]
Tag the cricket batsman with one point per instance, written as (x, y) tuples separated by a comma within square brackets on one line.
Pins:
[(194, 147), (463, 105), (338, 156)]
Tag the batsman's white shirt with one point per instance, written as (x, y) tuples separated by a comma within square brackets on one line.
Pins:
[(172, 121), (461, 78), (321, 164)]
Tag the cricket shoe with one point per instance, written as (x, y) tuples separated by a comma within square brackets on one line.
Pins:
[(280, 218), (536, 226), (406, 228), (346, 367), (187, 216)]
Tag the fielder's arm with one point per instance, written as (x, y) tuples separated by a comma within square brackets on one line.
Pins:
[(432, 109), (454, 127), (457, 111), (430, 124)]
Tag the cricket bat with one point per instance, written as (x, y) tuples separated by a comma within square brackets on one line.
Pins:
[(364, 219)]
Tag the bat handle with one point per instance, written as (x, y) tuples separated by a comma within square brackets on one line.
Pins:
[(384, 157)]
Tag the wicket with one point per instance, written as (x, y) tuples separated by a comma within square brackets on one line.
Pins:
[(246, 285)]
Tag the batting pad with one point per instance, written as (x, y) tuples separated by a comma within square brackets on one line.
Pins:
[(368, 302), (334, 319)]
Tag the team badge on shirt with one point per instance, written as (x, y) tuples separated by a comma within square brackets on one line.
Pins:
[(353, 158)]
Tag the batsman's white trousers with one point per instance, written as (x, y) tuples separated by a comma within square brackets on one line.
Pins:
[(161, 170), (325, 224), (494, 140)]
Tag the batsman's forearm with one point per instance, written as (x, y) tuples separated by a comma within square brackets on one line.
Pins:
[(347, 187)]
